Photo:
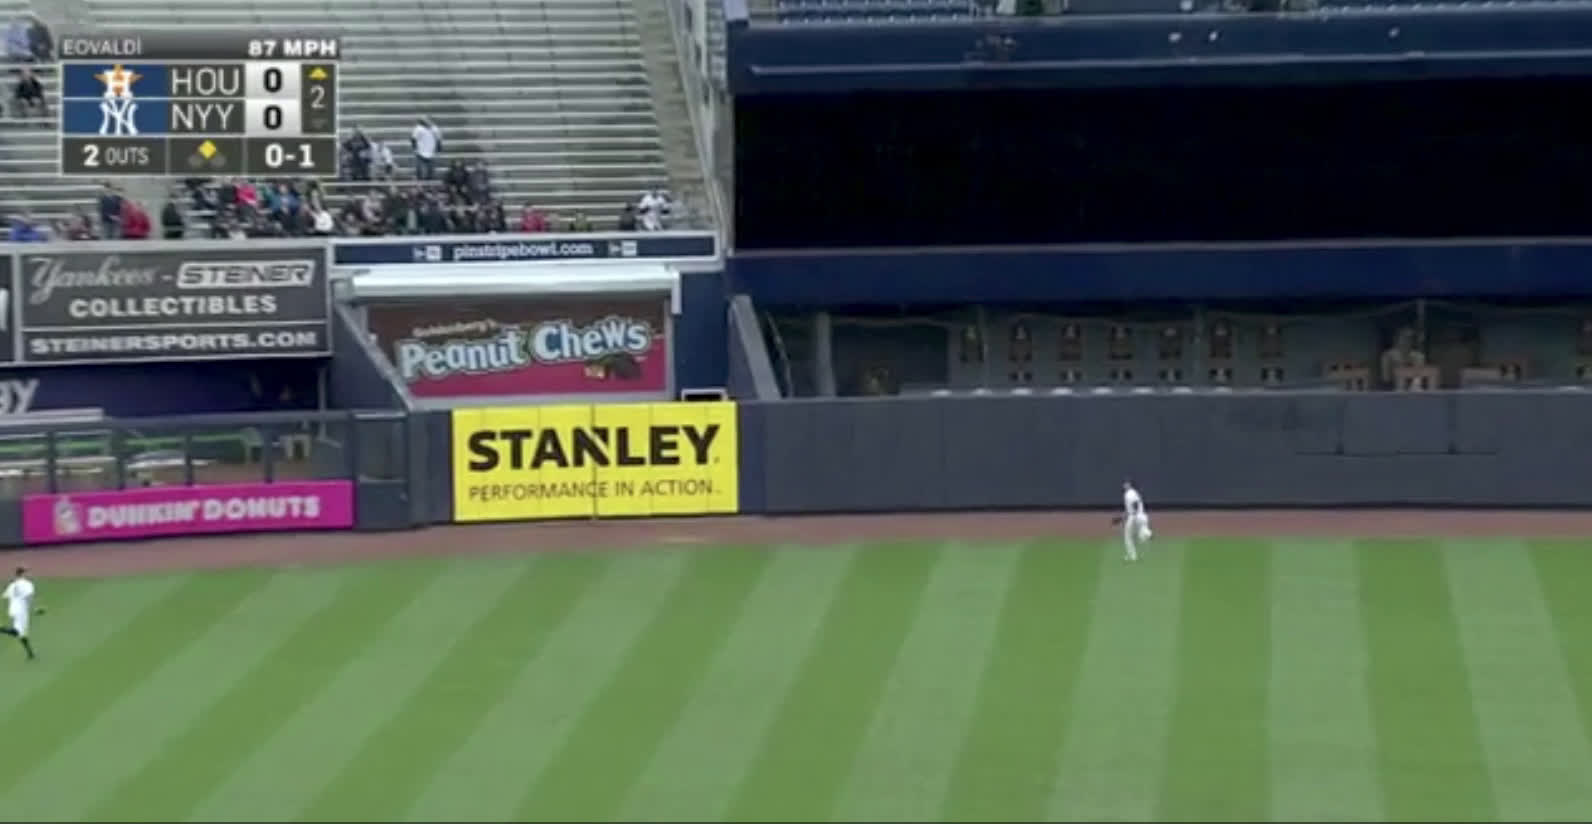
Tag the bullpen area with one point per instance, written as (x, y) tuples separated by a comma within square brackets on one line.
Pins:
[(1344, 666)]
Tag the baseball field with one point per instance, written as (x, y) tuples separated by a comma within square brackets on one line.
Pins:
[(1249, 667)]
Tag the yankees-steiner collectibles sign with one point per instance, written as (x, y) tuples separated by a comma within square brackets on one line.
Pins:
[(129, 305)]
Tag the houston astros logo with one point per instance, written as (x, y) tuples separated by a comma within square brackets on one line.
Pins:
[(117, 108)]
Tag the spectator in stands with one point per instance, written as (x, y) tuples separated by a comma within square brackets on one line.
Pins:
[(477, 183), (134, 221), (227, 194), (456, 181), (579, 223), (532, 220), (23, 230), (79, 226), (426, 140), (220, 222), (28, 96), (461, 219), (248, 196), (110, 212), (41, 44), (1402, 353), (271, 200), (319, 218), (493, 218), (386, 164), (654, 208), (368, 221), (172, 223), (202, 195), (289, 201), (357, 155), (18, 47), (627, 218), (433, 220), (263, 226), (400, 211)]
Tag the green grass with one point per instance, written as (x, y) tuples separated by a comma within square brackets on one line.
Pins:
[(1215, 680)]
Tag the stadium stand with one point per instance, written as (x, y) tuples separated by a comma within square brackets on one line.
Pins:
[(552, 95), (28, 153)]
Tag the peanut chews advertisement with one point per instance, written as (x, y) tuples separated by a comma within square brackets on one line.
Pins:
[(516, 347), (595, 461)]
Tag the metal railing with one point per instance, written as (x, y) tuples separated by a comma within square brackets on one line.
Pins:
[(55, 452)]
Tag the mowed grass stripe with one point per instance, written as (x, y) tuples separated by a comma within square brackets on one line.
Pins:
[(290, 767), (486, 778), (1429, 751), (904, 766), (1004, 767), (308, 645), (1537, 754), (810, 748), (1216, 766), (702, 759), (1562, 569), (1114, 745), (466, 683), (604, 754), (80, 617), (151, 713), (1323, 751), (79, 692)]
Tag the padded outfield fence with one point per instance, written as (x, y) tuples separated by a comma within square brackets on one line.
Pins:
[(87, 480)]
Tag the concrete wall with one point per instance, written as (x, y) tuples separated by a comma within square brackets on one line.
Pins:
[(865, 455)]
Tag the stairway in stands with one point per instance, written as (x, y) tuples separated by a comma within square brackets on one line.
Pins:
[(551, 93)]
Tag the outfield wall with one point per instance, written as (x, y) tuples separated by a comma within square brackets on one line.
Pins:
[(393, 470), (1504, 448), (100, 480), (1485, 449)]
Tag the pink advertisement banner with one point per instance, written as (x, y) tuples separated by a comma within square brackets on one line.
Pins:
[(187, 510), (518, 346)]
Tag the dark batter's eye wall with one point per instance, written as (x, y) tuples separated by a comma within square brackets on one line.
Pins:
[(1417, 159)]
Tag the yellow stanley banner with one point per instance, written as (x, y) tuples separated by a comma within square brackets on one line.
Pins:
[(609, 460)]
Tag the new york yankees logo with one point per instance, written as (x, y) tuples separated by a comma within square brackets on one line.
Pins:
[(118, 108)]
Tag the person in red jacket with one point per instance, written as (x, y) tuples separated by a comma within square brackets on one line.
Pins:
[(135, 221), (532, 220)]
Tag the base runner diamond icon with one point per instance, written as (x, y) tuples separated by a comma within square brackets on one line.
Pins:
[(207, 153)]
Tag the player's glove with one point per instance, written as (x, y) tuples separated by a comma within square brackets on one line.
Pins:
[(1116, 520)]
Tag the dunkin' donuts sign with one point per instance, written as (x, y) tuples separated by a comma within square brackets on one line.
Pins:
[(527, 347)]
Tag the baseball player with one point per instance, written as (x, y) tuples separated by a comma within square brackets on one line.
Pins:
[(19, 602), (1135, 521)]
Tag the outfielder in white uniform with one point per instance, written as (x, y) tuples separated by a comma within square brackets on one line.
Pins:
[(1135, 521), (19, 602)]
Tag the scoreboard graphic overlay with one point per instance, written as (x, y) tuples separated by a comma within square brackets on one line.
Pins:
[(192, 103)]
